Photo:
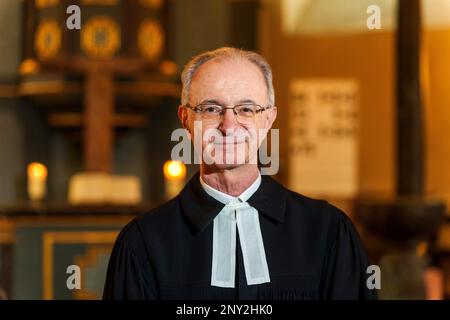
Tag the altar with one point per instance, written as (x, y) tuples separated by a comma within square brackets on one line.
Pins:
[(38, 244)]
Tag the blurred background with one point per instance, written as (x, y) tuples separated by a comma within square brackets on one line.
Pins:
[(86, 117)]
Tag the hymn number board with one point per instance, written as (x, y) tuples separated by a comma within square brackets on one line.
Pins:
[(323, 144)]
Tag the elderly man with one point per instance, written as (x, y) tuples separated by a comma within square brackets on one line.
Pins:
[(232, 233)]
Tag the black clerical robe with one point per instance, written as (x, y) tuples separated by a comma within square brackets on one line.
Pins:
[(312, 249)]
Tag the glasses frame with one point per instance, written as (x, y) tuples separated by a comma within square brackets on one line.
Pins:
[(262, 109)]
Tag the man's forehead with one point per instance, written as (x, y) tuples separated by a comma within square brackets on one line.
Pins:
[(228, 75), (237, 68)]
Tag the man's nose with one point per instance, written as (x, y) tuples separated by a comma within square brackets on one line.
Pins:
[(228, 121)]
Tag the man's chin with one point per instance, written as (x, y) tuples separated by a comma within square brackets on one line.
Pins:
[(222, 165), (228, 166)]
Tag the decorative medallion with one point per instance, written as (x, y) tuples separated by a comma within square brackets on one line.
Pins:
[(150, 39), (100, 37), (47, 39)]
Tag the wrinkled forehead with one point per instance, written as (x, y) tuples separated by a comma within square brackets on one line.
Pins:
[(228, 80)]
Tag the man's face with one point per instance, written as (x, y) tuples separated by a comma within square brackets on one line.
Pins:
[(230, 141)]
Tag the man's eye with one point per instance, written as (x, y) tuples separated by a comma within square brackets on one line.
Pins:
[(211, 109), (247, 110)]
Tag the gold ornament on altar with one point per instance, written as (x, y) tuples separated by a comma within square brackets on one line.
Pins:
[(41, 4), (150, 39), (48, 39), (100, 37)]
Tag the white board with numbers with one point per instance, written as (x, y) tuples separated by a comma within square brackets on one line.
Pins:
[(323, 137)]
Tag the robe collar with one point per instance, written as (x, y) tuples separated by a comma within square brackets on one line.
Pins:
[(201, 209), (226, 198)]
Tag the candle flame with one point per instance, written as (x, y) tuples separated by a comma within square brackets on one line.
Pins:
[(174, 169), (37, 170)]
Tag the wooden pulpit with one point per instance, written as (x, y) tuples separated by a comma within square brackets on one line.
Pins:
[(121, 48)]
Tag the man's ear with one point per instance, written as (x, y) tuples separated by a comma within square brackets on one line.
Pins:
[(271, 116), (183, 116)]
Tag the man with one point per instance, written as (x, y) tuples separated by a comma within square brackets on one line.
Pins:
[(232, 233)]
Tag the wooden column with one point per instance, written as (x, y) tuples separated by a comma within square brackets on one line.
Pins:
[(410, 138)]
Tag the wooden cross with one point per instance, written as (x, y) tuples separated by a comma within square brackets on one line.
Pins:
[(98, 113)]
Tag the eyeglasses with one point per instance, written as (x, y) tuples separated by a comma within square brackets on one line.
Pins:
[(244, 113)]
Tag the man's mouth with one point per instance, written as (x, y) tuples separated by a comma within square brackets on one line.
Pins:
[(229, 141)]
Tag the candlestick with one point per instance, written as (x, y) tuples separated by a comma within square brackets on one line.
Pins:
[(174, 177)]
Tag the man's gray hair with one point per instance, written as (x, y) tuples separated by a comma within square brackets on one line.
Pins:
[(223, 54)]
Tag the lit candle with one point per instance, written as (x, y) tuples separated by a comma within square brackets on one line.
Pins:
[(174, 175), (37, 178)]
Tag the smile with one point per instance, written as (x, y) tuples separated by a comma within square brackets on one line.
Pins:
[(228, 143)]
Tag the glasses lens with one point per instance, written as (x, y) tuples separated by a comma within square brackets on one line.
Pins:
[(209, 111), (246, 113)]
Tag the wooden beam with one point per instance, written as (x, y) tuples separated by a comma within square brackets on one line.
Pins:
[(67, 120), (149, 88), (34, 88)]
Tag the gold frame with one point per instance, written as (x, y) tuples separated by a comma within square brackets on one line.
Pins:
[(86, 260), (49, 239), (7, 232)]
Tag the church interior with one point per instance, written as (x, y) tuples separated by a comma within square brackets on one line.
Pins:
[(89, 91)]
